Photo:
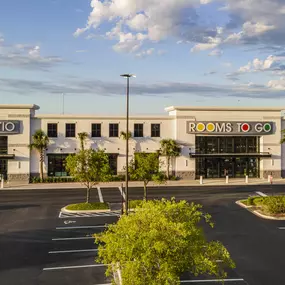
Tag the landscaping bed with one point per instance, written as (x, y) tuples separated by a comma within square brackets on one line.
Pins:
[(87, 207), (271, 207)]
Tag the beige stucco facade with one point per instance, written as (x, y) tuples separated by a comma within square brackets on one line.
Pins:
[(173, 125)]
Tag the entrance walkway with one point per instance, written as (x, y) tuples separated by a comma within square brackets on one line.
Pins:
[(206, 182)]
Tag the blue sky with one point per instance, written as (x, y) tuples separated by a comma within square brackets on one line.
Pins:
[(188, 52)]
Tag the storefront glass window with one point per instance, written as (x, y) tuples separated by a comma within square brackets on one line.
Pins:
[(56, 165)]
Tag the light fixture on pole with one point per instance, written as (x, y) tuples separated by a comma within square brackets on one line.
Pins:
[(128, 76)]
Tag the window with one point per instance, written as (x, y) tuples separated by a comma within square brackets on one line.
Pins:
[(227, 144), (70, 130), (113, 130), (138, 130), (96, 130), (3, 145), (56, 165), (52, 130), (155, 130)]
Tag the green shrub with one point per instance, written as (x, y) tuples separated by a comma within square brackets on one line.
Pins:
[(88, 206), (118, 177), (35, 179), (174, 178), (135, 203), (250, 201), (274, 204)]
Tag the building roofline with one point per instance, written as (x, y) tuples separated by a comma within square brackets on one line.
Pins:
[(19, 106), (96, 117), (189, 108)]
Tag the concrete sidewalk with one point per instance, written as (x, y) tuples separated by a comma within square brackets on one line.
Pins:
[(206, 182)]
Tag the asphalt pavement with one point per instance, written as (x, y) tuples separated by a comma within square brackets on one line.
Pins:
[(37, 246)]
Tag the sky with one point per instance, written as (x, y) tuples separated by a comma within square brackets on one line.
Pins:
[(183, 53)]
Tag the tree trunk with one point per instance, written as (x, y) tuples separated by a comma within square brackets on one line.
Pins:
[(168, 165), (144, 191), (88, 194), (41, 166)]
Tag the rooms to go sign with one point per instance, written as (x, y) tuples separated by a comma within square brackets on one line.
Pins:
[(9, 127), (261, 128)]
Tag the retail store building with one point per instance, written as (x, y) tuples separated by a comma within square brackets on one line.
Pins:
[(214, 141)]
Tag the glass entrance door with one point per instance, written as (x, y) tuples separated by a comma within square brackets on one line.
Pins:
[(226, 167), (241, 167), (212, 169)]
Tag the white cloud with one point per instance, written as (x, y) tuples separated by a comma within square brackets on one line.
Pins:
[(153, 19), (26, 56), (277, 84), (210, 44), (216, 52), (251, 22), (253, 29), (34, 52), (145, 53), (138, 23), (81, 51), (271, 63)]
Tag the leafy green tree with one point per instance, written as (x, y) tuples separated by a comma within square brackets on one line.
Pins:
[(82, 137), (40, 142), (145, 167), (123, 135), (169, 149), (89, 167), (159, 242)]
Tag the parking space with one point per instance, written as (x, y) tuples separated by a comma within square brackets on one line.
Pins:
[(37, 247), (72, 252)]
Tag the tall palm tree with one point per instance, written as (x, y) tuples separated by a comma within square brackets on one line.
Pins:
[(82, 137), (40, 142), (169, 149)]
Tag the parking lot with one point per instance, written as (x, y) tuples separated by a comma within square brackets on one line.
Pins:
[(41, 246)]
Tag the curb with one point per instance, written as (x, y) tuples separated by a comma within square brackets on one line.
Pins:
[(64, 210), (243, 205), (258, 214), (267, 217)]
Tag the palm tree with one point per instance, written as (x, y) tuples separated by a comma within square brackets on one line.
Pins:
[(40, 142), (82, 137), (169, 149)]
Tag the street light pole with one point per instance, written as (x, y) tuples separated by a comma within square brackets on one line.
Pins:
[(127, 148), (127, 142)]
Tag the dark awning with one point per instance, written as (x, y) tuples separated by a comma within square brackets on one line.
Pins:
[(7, 156), (259, 154)]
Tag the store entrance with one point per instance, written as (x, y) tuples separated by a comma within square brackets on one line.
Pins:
[(234, 167)]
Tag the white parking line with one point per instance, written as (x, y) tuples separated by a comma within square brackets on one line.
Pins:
[(212, 280), (73, 251), (79, 227), (261, 194), (73, 267), (100, 194), (75, 238), (122, 192), (281, 228)]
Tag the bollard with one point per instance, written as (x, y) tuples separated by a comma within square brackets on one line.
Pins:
[(269, 177), (227, 179), (246, 179), (201, 179)]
